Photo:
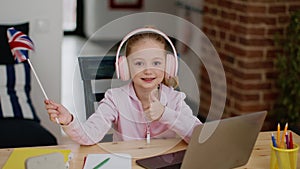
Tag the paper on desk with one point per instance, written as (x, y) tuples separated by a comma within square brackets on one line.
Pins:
[(116, 161)]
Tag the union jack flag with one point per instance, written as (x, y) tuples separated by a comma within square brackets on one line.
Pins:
[(19, 44)]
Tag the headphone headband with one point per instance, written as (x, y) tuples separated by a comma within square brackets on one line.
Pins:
[(144, 30)]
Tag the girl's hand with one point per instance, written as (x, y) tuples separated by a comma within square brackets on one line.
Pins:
[(156, 109), (58, 111)]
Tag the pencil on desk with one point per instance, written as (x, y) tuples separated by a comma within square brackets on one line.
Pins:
[(282, 137), (278, 134), (101, 164), (291, 141), (287, 140), (274, 141)]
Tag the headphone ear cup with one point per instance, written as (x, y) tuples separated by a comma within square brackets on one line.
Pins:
[(170, 66), (123, 68)]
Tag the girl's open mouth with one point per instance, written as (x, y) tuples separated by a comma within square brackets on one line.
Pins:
[(148, 79)]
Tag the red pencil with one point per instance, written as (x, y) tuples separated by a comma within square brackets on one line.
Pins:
[(291, 141)]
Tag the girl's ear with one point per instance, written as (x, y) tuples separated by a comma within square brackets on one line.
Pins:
[(123, 68), (170, 66)]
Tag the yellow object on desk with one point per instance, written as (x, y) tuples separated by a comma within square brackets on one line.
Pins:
[(19, 155), (284, 158)]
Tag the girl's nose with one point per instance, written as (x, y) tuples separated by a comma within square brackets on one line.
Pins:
[(147, 70)]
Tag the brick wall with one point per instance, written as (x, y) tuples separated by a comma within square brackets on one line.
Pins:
[(242, 32)]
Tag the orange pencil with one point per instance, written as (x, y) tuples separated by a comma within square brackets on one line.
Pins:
[(278, 135), (282, 137)]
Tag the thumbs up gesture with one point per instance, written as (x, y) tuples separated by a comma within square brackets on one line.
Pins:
[(156, 109)]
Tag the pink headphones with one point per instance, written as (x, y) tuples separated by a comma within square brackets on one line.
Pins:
[(121, 64)]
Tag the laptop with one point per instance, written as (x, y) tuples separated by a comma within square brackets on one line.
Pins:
[(219, 144)]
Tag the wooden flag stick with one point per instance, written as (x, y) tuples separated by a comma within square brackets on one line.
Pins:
[(40, 84), (38, 80)]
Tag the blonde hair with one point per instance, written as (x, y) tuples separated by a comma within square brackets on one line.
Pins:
[(171, 82)]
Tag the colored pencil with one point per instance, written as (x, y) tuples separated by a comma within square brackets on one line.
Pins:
[(291, 141)]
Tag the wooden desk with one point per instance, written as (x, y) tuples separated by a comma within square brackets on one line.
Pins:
[(260, 157)]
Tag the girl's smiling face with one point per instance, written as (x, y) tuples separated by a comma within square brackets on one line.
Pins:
[(147, 63)]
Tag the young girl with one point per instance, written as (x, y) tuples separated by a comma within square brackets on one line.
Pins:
[(148, 106)]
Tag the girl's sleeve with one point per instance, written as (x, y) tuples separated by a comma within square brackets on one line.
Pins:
[(96, 126), (179, 117)]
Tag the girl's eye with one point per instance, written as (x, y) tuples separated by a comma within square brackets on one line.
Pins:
[(139, 63), (156, 63)]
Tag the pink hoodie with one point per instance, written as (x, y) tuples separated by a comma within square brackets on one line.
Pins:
[(122, 109)]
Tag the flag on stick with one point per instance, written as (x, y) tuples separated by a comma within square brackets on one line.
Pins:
[(19, 44)]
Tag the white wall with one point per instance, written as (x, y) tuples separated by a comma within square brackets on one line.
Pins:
[(45, 19), (98, 13)]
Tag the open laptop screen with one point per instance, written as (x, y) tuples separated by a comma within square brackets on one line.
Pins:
[(229, 146)]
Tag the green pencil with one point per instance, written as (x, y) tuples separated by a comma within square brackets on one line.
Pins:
[(101, 164)]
